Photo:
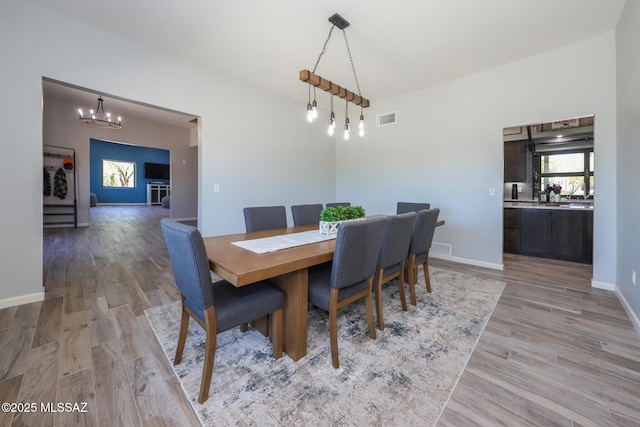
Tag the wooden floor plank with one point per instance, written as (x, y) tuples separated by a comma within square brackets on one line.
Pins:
[(73, 295), (101, 327), (77, 389), (173, 383), (165, 370), (131, 339), (151, 394), (49, 326), (18, 340), (9, 389), (114, 399), (75, 346), (6, 317), (39, 386)]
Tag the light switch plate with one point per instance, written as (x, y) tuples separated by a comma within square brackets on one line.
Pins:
[(492, 191)]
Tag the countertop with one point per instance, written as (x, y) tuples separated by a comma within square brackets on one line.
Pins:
[(534, 204)]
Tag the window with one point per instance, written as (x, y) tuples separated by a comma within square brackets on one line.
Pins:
[(118, 174), (572, 170)]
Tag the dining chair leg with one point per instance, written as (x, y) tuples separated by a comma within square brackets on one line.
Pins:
[(413, 278), (333, 327), (369, 307), (425, 268), (276, 333), (209, 354), (379, 274), (403, 298), (182, 336)]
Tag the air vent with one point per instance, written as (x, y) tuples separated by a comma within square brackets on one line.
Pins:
[(440, 249), (386, 119)]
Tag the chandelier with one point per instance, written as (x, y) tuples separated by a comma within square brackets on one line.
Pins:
[(312, 79), (99, 117)]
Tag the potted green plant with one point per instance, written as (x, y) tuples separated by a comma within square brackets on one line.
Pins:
[(331, 217)]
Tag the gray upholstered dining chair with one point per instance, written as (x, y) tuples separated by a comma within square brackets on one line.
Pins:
[(394, 249), (336, 204), (421, 239), (349, 277), (306, 214), (404, 207), (217, 306), (265, 218)]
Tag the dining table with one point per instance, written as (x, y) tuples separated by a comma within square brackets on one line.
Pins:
[(285, 268)]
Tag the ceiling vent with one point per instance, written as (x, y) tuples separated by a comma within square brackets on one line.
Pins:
[(386, 119)]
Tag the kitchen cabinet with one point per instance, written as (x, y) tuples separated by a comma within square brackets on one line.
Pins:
[(535, 232), (563, 234), (511, 234), (515, 160), (572, 235)]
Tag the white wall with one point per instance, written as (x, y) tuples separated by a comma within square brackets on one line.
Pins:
[(62, 128), (628, 179), (447, 148), (249, 144)]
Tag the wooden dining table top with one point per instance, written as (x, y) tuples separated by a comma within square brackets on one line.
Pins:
[(242, 267)]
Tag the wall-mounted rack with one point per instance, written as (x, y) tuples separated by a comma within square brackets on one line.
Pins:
[(56, 212)]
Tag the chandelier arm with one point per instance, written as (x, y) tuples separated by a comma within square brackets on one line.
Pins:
[(100, 107), (324, 48), (351, 60)]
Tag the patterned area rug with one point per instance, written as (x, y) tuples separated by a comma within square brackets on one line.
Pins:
[(404, 377)]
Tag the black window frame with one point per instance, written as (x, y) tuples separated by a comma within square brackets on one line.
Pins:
[(586, 174)]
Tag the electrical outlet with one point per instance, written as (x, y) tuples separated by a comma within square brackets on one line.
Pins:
[(633, 277), (492, 191), (519, 188)]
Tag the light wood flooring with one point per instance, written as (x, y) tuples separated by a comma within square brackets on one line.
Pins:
[(555, 351)]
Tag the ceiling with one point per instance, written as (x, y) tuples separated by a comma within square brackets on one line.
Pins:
[(397, 47)]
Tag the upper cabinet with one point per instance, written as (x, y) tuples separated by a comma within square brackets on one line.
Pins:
[(515, 161)]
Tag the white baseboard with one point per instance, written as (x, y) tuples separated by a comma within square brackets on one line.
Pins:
[(123, 204), (632, 315), (22, 299), (603, 285), (467, 261)]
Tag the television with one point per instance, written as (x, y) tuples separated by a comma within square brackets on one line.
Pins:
[(156, 171)]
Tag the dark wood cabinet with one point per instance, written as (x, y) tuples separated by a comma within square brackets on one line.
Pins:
[(515, 161), (572, 235), (535, 232), (511, 234), (549, 233)]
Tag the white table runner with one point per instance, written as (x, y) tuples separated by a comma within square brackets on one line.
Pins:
[(284, 241)]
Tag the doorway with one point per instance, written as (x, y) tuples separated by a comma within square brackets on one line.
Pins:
[(549, 189)]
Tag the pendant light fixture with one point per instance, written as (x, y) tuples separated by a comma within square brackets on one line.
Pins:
[(332, 120), (347, 129), (99, 117), (317, 81)]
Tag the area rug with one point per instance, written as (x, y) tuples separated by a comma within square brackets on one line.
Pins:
[(404, 377)]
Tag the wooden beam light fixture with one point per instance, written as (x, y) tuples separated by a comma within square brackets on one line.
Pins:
[(316, 81)]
